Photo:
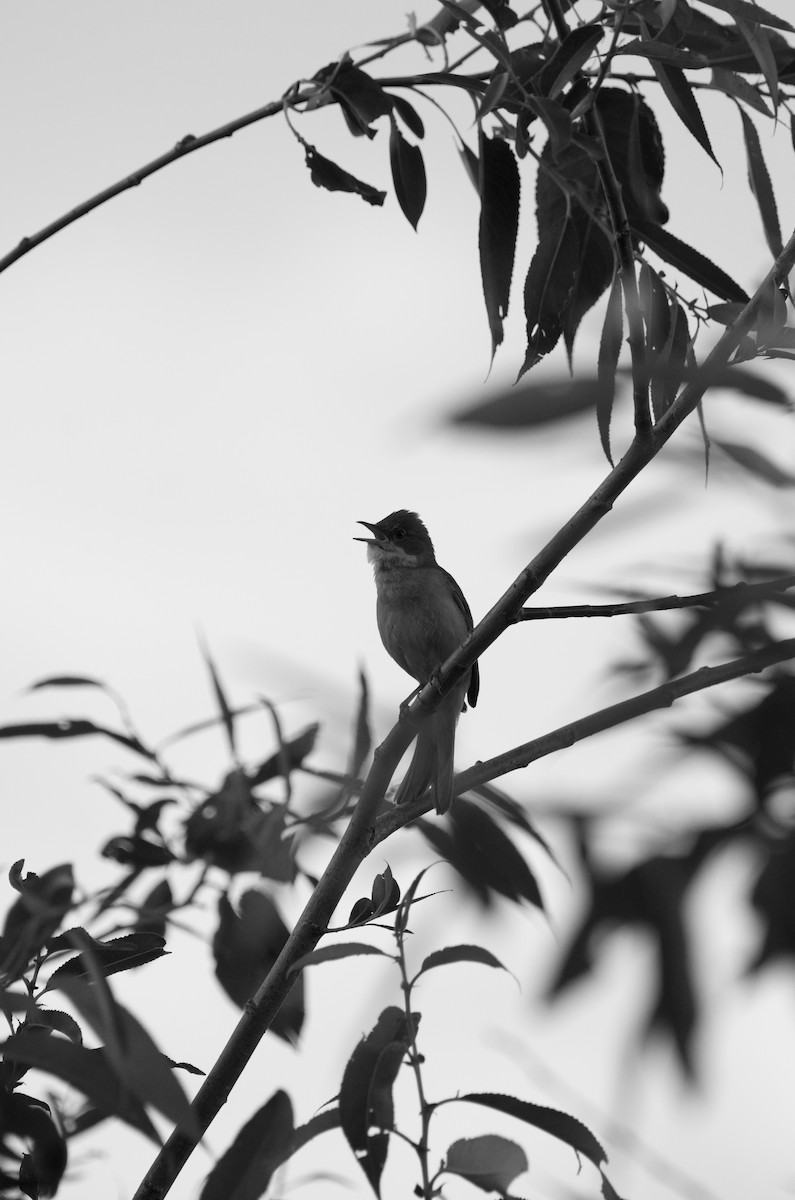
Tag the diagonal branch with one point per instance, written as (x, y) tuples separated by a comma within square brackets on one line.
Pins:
[(562, 738)]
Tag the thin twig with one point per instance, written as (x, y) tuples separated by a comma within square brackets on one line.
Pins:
[(738, 591)]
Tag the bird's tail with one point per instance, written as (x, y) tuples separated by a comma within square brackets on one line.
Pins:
[(433, 757)]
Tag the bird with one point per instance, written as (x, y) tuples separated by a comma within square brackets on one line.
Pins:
[(422, 618)]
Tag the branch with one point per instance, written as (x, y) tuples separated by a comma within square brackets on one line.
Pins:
[(738, 591), (577, 731)]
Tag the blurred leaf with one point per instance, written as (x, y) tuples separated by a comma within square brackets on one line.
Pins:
[(759, 182), (485, 858), (498, 184), (42, 1166), (535, 402), (489, 1162), (326, 174), (246, 944), (288, 757), (756, 462), (609, 351), (408, 174), (230, 830), (362, 738), (34, 917), (86, 1070), (772, 898), (366, 1093), (153, 910), (332, 953), (558, 1124), (691, 262), (224, 708), (750, 11), (244, 1171), (138, 852), (458, 954), (726, 314), (69, 728)]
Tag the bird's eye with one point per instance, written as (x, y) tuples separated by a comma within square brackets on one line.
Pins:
[(398, 535)]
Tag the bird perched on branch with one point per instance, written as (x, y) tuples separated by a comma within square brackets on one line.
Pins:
[(422, 618)]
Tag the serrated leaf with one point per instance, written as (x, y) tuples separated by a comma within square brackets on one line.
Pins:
[(332, 953), (609, 351), (408, 174), (734, 85), (327, 174), (498, 183), (111, 956), (558, 1124), (548, 290), (458, 954), (366, 1092), (680, 96), (244, 1171), (691, 262), (489, 1162), (762, 188), (572, 54), (662, 52), (759, 45), (751, 12)]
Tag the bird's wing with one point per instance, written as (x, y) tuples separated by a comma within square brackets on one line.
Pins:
[(461, 601)]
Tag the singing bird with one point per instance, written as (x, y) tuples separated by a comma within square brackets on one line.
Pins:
[(422, 618)]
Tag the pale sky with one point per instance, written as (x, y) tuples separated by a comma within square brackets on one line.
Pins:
[(206, 383)]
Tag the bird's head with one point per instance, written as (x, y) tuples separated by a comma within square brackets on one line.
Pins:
[(400, 539)]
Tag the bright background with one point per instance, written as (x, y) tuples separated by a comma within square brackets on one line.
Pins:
[(206, 383)]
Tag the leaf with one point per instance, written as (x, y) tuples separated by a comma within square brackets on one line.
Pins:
[(558, 1124), (548, 290), (60, 1022), (408, 115), (762, 188), (734, 85), (86, 1070), (246, 944), (360, 97), (757, 463), (498, 183), (456, 954), (327, 174), (572, 54), (244, 1171), (288, 757), (609, 351), (44, 1162), (751, 11), (490, 1162), (471, 165), (366, 1092), (408, 174), (726, 314), (224, 708), (230, 830), (362, 738), (111, 956), (692, 263), (680, 96), (557, 121), (66, 681), (34, 916), (662, 52), (331, 953), (69, 728), (759, 45), (668, 369)]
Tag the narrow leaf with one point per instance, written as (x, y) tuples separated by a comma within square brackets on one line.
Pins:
[(609, 351), (734, 85), (457, 954), (534, 403), (572, 54), (408, 115), (762, 188), (244, 1171), (332, 953), (559, 1124), (548, 290), (691, 262), (499, 221), (408, 174), (69, 728), (751, 12), (680, 96), (757, 463), (662, 52), (471, 165), (224, 708), (759, 46), (668, 369)]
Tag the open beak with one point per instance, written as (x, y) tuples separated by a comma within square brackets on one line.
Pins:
[(373, 541)]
